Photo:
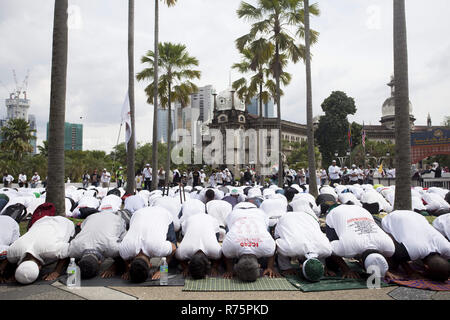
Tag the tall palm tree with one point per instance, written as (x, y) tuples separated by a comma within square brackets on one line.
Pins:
[(55, 180), (155, 93), (174, 83), (273, 18), (131, 147), (309, 110), (17, 136), (402, 124), (256, 59)]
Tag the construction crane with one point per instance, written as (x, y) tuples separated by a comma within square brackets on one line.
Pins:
[(23, 87)]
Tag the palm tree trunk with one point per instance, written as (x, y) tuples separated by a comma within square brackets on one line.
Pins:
[(131, 144), (56, 186), (169, 132), (402, 123), (259, 143), (277, 81), (155, 103), (309, 113)]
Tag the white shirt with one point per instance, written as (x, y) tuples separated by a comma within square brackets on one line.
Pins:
[(219, 209), (101, 231), (353, 174), (8, 178), (442, 224), (9, 232), (435, 202), (298, 233), (248, 234), (191, 207), (134, 203), (348, 196), (147, 172), (333, 172), (86, 202), (416, 234), (372, 196), (173, 206), (22, 177), (357, 232), (110, 203), (35, 178), (147, 232), (106, 177), (200, 234), (274, 209), (47, 241)]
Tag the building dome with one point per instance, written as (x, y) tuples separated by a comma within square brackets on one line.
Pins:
[(224, 101), (388, 108)]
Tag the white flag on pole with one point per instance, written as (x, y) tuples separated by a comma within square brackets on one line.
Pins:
[(126, 118)]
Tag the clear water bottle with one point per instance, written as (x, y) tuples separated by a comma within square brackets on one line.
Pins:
[(164, 271), (73, 275)]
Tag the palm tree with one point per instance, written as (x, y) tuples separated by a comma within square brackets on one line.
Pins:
[(131, 147), (55, 180), (273, 18), (43, 150), (155, 92), (174, 83), (309, 111), (402, 124), (256, 58), (17, 136)]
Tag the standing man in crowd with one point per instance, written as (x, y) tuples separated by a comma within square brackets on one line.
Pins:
[(35, 180), (23, 180), (119, 177), (147, 172), (95, 178), (85, 178), (7, 180), (105, 179), (333, 173)]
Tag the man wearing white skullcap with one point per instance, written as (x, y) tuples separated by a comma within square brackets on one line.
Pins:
[(353, 233), (47, 241)]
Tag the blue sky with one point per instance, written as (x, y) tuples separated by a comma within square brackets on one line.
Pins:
[(354, 55)]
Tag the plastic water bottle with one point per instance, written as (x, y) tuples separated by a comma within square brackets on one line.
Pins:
[(73, 275), (164, 271)]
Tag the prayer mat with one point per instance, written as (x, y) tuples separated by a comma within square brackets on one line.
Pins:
[(333, 283), (45, 270), (221, 284), (423, 284), (419, 283)]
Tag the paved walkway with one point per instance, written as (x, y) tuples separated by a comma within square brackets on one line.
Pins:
[(58, 291)]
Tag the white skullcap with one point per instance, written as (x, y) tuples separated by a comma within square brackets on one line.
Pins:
[(27, 272), (254, 192), (376, 259)]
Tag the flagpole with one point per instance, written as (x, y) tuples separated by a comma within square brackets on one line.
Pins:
[(115, 153)]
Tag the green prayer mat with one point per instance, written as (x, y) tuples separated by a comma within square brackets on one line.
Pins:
[(220, 284), (333, 283)]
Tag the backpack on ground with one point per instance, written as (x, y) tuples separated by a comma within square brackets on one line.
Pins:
[(16, 211), (45, 209)]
